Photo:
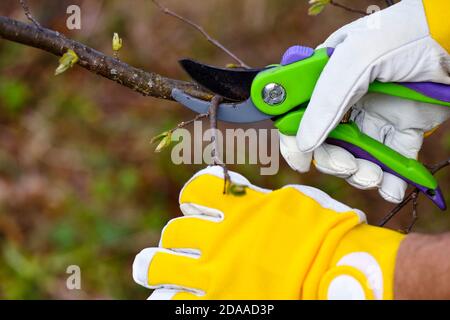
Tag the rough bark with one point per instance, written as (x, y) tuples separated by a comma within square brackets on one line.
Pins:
[(146, 83)]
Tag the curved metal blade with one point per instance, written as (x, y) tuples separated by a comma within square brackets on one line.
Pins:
[(243, 112), (233, 84)]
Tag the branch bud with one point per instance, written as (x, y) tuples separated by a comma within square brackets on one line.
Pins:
[(116, 42), (67, 60)]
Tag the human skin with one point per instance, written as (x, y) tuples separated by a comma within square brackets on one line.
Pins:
[(423, 267)]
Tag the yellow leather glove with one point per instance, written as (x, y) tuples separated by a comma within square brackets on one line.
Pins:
[(437, 15), (292, 243)]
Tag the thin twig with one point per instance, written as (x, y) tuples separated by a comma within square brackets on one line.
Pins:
[(396, 209), (415, 217), (342, 6), (215, 155), (412, 196), (201, 30), (215, 102), (186, 123), (164, 139), (28, 14), (439, 166)]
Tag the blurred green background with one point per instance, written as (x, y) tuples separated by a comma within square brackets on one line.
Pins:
[(79, 181)]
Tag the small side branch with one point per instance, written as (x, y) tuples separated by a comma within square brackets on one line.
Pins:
[(396, 209), (439, 166), (215, 102), (186, 123), (28, 14), (415, 217), (200, 29), (347, 8), (412, 196), (165, 139)]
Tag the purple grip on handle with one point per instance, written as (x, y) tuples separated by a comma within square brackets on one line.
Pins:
[(438, 91), (330, 51), (436, 196), (295, 54)]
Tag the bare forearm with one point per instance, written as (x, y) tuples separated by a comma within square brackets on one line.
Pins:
[(423, 267)]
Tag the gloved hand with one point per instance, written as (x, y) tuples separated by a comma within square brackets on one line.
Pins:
[(292, 243), (408, 42), (400, 124)]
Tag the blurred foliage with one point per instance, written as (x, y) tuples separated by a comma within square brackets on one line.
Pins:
[(317, 6), (14, 95), (80, 183)]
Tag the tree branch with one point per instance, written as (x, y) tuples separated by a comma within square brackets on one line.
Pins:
[(201, 30), (146, 83)]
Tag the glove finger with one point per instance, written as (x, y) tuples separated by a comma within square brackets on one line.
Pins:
[(397, 131), (163, 294), (172, 294), (398, 123), (161, 268), (199, 211), (334, 93), (368, 176), (407, 142), (188, 233), (339, 36), (392, 188), (205, 190), (335, 161), (400, 130), (297, 160)]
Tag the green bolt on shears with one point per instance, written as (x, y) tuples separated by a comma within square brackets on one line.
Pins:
[(282, 92)]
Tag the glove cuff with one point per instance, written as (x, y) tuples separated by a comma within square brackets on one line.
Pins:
[(363, 265)]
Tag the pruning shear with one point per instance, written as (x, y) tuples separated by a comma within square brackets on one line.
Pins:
[(282, 92)]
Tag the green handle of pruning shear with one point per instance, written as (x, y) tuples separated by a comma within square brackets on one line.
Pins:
[(299, 80), (410, 169)]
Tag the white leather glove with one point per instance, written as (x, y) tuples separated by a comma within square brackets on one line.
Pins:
[(393, 45), (399, 124)]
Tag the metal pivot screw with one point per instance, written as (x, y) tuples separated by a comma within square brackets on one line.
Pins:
[(274, 94)]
